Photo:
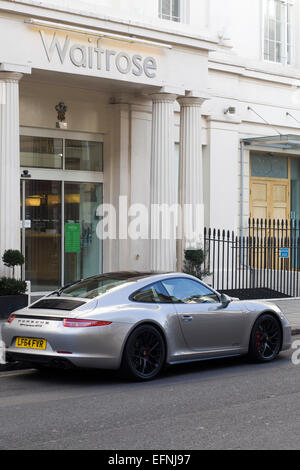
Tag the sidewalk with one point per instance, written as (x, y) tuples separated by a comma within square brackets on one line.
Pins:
[(290, 307)]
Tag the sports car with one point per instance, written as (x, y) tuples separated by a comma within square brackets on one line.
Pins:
[(139, 322)]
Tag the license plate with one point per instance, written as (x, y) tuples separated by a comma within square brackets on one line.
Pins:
[(31, 343)]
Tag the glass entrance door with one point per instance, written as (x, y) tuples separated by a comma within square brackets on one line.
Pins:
[(58, 232), (82, 246), (41, 233)]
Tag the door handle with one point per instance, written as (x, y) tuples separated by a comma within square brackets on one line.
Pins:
[(187, 318)]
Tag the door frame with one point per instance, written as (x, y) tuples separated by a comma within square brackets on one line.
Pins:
[(61, 175)]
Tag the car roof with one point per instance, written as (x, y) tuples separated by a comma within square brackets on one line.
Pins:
[(130, 275)]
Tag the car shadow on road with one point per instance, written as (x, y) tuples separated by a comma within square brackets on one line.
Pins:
[(178, 372), (220, 366)]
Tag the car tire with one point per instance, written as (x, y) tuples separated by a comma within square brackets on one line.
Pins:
[(144, 354), (266, 339)]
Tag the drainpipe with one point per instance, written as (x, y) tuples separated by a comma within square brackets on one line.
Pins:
[(242, 231), (242, 187)]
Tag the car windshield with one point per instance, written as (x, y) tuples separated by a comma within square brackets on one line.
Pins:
[(92, 287)]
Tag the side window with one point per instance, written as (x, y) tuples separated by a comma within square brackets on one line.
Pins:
[(279, 34), (170, 10), (188, 291), (155, 293)]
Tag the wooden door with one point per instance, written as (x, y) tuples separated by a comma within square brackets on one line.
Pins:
[(280, 200), (269, 199), (259, 199)]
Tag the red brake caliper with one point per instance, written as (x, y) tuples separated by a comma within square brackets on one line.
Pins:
[(258, 344)]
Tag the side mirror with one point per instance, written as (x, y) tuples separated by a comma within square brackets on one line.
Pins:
[(225, 300)]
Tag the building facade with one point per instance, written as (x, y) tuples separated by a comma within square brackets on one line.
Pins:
[(135, 104)]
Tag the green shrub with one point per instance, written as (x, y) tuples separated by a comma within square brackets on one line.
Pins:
[(193, 263), (194, 256), (9, 286), (13, 258)]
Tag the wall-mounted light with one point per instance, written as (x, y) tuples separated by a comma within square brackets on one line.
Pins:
[(231, 110), (224, 34)]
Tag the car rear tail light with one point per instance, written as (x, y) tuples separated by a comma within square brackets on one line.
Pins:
[(75, 323), (11, 318)]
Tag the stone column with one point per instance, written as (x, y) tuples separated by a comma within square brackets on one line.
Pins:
[(163, 185), (9, 165), (191, 221)]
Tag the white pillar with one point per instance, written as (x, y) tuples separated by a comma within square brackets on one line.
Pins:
[(163, 184), (191, 174), (9, 165)]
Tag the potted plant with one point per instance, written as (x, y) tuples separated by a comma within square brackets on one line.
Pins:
[(194, 263), (12, 290)]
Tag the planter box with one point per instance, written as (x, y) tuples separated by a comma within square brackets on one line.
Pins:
[(11, 303)]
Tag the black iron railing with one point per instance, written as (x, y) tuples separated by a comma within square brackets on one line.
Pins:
[(264, 263)]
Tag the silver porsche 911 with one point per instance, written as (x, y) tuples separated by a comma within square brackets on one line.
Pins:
[(138, 322)]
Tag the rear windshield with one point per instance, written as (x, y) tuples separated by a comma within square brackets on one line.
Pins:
[(92, 287)]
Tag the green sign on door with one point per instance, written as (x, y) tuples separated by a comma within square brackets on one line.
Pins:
[(72, 238)]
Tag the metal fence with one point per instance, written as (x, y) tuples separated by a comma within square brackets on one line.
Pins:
[(264, 263)]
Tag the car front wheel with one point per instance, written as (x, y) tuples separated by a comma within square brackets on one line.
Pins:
[(266, 338)]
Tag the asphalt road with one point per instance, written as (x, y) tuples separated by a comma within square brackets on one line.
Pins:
[(228, 404)]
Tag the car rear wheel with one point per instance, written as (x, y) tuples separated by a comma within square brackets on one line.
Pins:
[(144, 354), (266, 338)]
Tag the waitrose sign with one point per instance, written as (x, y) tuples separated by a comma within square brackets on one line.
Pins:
[(96, 57)]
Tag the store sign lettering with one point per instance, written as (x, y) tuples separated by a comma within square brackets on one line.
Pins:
[(91, 57)]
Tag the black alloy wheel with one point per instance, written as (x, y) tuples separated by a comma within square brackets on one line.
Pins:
[(266, 339), (144, 354)]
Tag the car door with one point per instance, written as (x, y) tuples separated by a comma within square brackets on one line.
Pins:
[(206, 323)]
